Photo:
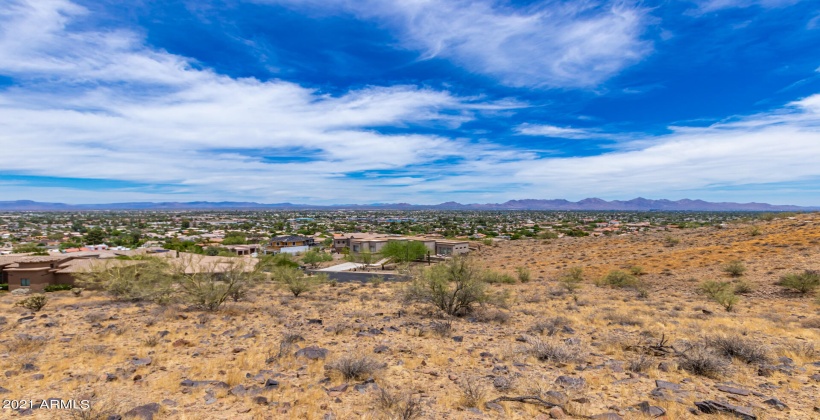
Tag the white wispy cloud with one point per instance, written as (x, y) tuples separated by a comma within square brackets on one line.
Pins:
[(76, 112), (712, 5), (547, 130), (551, 44)]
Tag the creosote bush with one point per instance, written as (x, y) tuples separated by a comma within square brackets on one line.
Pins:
[(571, 278), (472, 392), (735, 268), (618, 278), (454, 286), (357, 367), (738, 347), (295, 280), (720, 292), (803, 283), (523, 274), (33, 302), (553, 351), (700, 360), (148, 279), (399, 406)]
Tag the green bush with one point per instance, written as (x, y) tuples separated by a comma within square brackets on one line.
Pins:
[(804, 282), (735, 268), (743, 287), (670, 240), (523, 274), (4, 286), (57, 287), (454, 286), (720, 292), (149, 279), (295, 280), (494, 277), (33, 302), (618, 278), (571, 278)]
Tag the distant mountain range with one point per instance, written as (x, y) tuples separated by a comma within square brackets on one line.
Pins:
[(637, 204)]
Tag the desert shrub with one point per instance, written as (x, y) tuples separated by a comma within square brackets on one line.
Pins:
[(739, 347), (442, 329), (549, 326), (618, 278), (398, 406), (33, 302), (487, 242), (641, 363), (571, 278), (811, 323), (151, 341), (295, 280), (735, 268), (267, 263), (57, 287), (754, 231), (494, 277), (208, 286), (149, 279), (4, 286), (670, 241), (355, 366), (743, 287), (558, 352), (376, 281), (636, 270), (523, 274), (488, 315), (313, 258), (701, 361), (713, 288), (472, 392), (454, 286), (804, 282), (77, 291), (720, 292), (624, 319)]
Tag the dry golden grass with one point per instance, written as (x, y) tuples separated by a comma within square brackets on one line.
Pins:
[(610, 325)]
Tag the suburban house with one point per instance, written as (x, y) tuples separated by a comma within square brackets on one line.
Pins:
[(374, 243), (290, 244), (35, 272)]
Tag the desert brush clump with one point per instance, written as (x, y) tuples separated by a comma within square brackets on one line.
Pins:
[(33, 303), (739, 347), (454, 287), (620, 279), (148, 279), (398, 406), (295, 280), (702, 361), (804, 283), (553, 351), (355, 366), (571, 278), (473, 392), (735, 268), (720, 292)]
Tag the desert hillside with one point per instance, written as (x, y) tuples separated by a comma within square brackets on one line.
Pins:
[(657, 347)]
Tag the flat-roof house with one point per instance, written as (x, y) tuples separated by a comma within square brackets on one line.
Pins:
[(290, 244)]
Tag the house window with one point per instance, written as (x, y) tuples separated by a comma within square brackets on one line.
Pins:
[(25, 282)]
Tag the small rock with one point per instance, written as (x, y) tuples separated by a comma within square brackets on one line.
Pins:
[(651, 410), (338, 388), (4, 390), (570, 381), (607, 416), (666, 366), (144, 412), (557, 413), (315, 321), (142, 362), (182, 343), (712, 407), (494, 406), (815, 377), (270, 383), (458, 338), (733, 390), (774, 402), (381, 349), (260, 400), (312, 353), (29, 367), (667, 385)]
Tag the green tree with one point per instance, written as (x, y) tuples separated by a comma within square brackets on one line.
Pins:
[(313, 258), (95, 236), (454, 286), (185, 224), (234, 238), (404, 251)]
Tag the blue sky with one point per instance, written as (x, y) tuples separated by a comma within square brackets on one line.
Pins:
[(359, 101)]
